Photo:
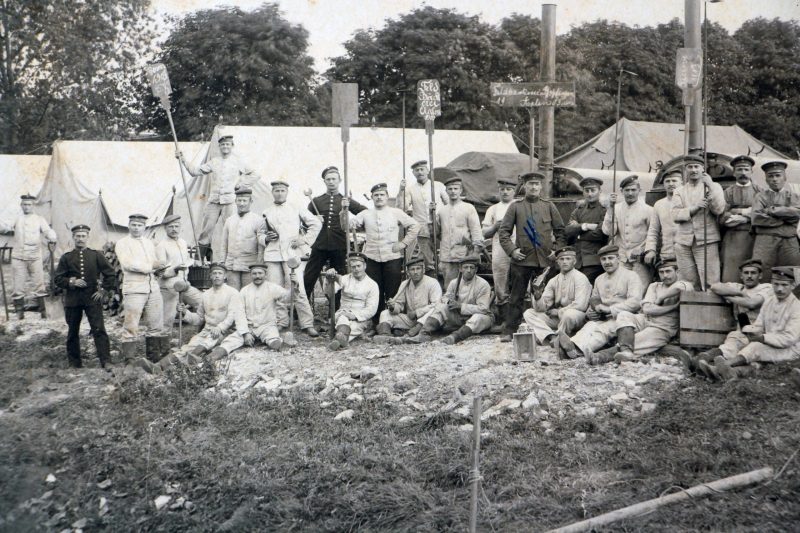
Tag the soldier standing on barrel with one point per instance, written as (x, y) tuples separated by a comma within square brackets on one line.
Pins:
[(79, 274), (737, 243), (660, 243), (175, 287)]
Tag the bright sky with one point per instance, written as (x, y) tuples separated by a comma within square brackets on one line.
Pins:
[(332, 22)]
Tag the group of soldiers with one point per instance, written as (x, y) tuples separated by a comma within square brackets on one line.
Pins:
[(593, 292)]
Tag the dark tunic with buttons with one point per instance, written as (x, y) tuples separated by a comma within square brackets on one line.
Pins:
[(587, 243), (539, 231), (88, 265), (332, 236)]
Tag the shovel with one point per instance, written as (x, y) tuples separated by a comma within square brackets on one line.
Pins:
[(288, 339), (52, 302)]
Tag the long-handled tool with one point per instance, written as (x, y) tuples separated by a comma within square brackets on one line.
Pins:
[(332, 305), (310, 194), (288, 339), (3, 279)]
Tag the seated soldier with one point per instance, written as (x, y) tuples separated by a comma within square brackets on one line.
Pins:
[(260, 298), (747, 298), (359, 301), (465, 305), (653, 328), (775, 336), (562, 304), (220, 313), (615, 290), (418, 295)]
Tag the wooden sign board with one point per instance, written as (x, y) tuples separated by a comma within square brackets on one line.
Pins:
[(344, 103), (688, 67), (536, 94), (429, 100), (159, 79)]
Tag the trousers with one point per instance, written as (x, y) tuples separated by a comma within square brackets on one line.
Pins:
[(230, 340), (595, 334), (213, 214), (398, 321), (477, 323), (737, 247), (23, 270), (388, 275), (278, 273), (94, 314), (776, 251), (500, 265), (449, 272), (648, 338), (317, 260), (238, 278), (357, 327), (170, 298), (519, 278), (690, 263), (543, 325), (641, 270), (149, 306), (425, 247)]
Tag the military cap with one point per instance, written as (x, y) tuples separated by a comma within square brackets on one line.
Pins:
[(525, 178), (137, 216), (773, 165), (27, 197), (752, 262), (667, 262), (80, 227), (262, 266), (506, 181), (692, 158), (419, 163), (244, 191), (609, 249), (629, 180), (171, 218), (329, 169), (454, 179), (279, 182), (566, 250), (357, 255), (379, 187), (742, 159), (415, 261), (783, 273), (674, 172), (591, 182), (218, 266), (471, 260), (225, 138)]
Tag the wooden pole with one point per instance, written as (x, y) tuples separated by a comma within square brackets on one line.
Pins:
[(705, 150), (547, 72), (345, 138), (475, 473), (429, 131), (165, 104), (616, 142), (3, 280), (531, 137), (632, 511)]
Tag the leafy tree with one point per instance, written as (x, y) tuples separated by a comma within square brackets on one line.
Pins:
[(67, 69), (240, 67)]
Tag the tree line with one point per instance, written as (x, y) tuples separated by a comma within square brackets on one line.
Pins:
[(74, 71)]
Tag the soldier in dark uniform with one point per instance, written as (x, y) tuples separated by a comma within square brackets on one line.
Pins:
[(537, 222), (79, 273), (737, 242), (584, 231), (330, 243)]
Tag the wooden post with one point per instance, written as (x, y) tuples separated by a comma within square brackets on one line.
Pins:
[(547, 73), (531, 138), (344, 111), (475, 473), (429, 106)]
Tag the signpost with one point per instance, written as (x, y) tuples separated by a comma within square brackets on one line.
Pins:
[(159, 82), (429, 106), (344, 110), (688, 72), (531, 96)]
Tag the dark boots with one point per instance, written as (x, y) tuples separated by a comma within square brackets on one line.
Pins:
[(217, 353), (42, 307), (384, 328), (457, 336), (128, 351), (19, 308), (341, 340), (415, 329), (152, 349), (625, 338)]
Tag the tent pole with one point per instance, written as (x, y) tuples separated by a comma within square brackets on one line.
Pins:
[(183, 173)]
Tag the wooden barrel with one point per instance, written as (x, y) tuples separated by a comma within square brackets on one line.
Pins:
[(706, 319), (199, 277)]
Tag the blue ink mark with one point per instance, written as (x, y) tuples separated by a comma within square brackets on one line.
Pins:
[(533, 235)]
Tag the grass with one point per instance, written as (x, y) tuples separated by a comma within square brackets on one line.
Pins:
[(261, 464)]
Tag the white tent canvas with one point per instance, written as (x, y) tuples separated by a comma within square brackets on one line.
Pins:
[(19, 174)]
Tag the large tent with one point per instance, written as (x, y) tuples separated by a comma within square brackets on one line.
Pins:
[(100, 183), (19, 174), (298, 155), (643, 146)]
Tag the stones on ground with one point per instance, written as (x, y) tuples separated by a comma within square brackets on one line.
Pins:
[(366, 373), (355, 397), (325, 404), (618, 398), (747, 435), (50, 478), (501, 407), (580, 436), (104, 484), (405, 420), (347, 414), (79, 524), (161, 501), (465, 428), (589, 412), (648, 407), (530, 401)]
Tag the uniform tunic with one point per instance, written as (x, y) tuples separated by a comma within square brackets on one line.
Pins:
[(420, 298), (780, 323), (661, 231), (586, 243), (220, 307), (360, 297), (26, 256), (260, 308), (474, 297), (632, 223), (568, 293), (653, 332), (500, 260), (382, 227), (459, 225), (538, 243), (142, 295), (175, 252), (621, 291), (737, 241), (225, 173), (240, 241), (776, 238), (736, 340), (418, 199)]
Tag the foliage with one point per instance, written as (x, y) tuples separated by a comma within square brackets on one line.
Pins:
[(248, 68), (69, 69)]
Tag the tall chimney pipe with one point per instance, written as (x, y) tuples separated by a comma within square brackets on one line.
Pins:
[(692, 38), (547, 72)]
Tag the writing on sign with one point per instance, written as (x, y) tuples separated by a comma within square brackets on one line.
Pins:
[(159, 79), (344, 103), (536, 94), (688, 68), (429, 101)]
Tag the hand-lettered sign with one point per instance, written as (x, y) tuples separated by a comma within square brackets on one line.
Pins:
[(159, 79), (344, 103), (536, 94), (688, 67), (429, 102)]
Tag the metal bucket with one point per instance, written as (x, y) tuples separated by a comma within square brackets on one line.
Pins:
[(199, 277)]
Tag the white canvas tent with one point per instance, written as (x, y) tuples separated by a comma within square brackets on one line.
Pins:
[(298, 155), (100, 183), (19, 174)]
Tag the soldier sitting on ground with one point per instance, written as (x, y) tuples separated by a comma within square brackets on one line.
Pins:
[(359, 301), (465, 305), (416, 296), (260, 299)]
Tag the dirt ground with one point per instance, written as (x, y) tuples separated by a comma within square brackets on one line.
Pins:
[(378, 438)]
